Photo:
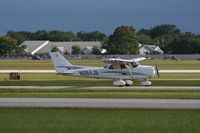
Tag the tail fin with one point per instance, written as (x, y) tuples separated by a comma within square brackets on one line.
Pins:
[(58, 59)]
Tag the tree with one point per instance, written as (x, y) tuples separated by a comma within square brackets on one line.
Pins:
[(185, 44), (8, 45), (91, 36), (20, 49), (43, 35), (76, 49), (96, 50), (143, 32), (144, 39), (66, 53), (163, 29), (54, 49), (122, 41), (160, 35), (19, 36), (62, 36), (40, 35)]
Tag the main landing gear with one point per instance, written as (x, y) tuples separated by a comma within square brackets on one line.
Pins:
[(122, 83)]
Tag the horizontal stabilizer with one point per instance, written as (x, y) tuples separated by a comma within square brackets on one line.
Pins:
[(62, 71)]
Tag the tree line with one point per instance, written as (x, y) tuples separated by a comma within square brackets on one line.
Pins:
[(170, 39), (124, 39)]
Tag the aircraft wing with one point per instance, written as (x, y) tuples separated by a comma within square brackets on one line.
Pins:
[(138, 59), (122, 61)]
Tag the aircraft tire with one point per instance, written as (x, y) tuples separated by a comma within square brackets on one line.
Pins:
[(127, 85), (120, 85)]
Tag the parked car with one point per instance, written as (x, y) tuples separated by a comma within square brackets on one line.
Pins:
[(36, 57)]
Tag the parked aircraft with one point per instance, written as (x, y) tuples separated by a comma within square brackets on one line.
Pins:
[(123, 71)]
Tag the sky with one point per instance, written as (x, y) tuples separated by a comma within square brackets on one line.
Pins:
[(101, 15)]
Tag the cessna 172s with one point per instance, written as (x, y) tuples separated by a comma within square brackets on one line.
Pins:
[(121, 70)]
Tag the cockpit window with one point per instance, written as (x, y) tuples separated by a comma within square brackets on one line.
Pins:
[(110, 67), (106, 66), (122, 66), (114, 66), (134, 64)]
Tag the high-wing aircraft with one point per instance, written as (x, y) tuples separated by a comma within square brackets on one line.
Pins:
[(121, 70)]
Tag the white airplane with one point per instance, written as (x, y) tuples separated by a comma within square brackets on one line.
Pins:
[(121, 70)]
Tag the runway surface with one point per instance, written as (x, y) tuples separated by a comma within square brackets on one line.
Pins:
[(53, 71), (108, 87), (100, 103)]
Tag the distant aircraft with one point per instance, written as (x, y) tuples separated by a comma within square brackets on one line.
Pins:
[(121, 70)]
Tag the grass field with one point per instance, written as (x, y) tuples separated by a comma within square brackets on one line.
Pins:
[(95, 83), (173, 65), (47, 65), (99, 93), (31, 120), (53, 76), (20, 120)]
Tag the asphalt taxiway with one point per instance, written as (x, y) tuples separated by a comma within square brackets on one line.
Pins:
[(101, 103)]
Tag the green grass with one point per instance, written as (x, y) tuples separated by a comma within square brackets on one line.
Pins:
[(25, 65), (57, 83), (47, 65), (34, 120), (178, 76), (52, 76), (173, 65), (41, 64), (42, 76), (99, 93), (95, 83)]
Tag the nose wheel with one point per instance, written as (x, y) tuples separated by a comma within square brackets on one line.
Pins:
[(145, 83)]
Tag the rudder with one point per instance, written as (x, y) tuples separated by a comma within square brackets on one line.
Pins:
[(58, 59)]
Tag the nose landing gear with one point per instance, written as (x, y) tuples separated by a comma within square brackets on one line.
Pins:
[(145, 83)]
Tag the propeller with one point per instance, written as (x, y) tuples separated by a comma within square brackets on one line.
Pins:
[(157, 71)]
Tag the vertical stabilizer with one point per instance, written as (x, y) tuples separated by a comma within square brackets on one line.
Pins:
[(58, 60)]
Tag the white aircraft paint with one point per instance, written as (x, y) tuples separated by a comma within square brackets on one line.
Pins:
[(53, 71)]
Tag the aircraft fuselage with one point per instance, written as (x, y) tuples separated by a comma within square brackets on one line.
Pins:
[(140, 72)]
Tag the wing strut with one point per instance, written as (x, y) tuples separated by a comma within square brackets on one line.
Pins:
[(129, 70)]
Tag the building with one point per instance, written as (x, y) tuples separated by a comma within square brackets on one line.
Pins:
[(149, 49), (44, 47), (87, 50)]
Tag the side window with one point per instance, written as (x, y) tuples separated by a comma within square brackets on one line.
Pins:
[(134, 64), (110, 67), (106, 66), (122, 66)]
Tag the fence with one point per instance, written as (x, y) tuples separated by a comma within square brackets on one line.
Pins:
[(99, 57)]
